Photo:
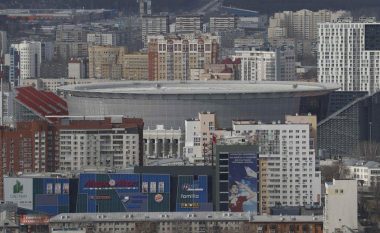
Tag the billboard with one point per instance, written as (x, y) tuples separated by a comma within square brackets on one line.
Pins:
[(192, 193), (123, 192), (52, 195), (242, 183), (34, 219), (19, 191)]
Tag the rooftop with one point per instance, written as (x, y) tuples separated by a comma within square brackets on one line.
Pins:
[(201, 87), (175, 216)]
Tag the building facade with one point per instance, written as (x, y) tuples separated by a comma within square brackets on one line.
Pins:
[(341, 206), (222, 23), (153, 25), (160, 143), (100, 38), (171, 58), (188, 24), (349, 56), (113, 143), (135, 66), (199, 138), (30, 53), (258, 65), (106, 62)]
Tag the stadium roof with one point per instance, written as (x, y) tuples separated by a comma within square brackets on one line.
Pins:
[(200, 87)]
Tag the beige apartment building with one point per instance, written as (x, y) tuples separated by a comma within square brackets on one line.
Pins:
[(106, 62), (172, 57), (135, 66)]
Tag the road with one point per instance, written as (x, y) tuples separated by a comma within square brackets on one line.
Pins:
[(209, 7)]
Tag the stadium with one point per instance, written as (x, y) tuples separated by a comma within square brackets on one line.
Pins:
[(171, 103)]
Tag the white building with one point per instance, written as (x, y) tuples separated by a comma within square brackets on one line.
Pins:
[(189, 24), (199, 138), (366, 171), (349, 55), (77, 69), (88, 144), (162, 143), (341, 206), (30, 58), (103, 38), (287, 162), (257, 65), (222, 23)]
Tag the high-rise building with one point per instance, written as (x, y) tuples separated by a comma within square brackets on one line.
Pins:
[(288, 175), (28, 148), (286, 59), (341, 206), (171, 57), (71, 41), (30, 59), (71, 33), (199, 138), (145, 7), (135, 66), (14, 67), (189, 24), (223, 23), (349, 54), (111, 143), (153, 25), (258, 65), (301, 24), (106, 62)]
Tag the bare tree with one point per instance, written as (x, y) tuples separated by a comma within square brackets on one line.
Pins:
[(368, 150), (335, 171)]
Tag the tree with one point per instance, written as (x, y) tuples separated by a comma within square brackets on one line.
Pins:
[(368, 150), (335, 171)]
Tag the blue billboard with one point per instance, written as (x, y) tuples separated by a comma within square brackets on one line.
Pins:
[(192, 193), (123, 193), (242, 181)]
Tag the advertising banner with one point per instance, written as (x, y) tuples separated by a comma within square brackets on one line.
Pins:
[(192, 193), (19, 191), (242, 179)]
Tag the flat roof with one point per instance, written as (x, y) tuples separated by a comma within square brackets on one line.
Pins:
[(183, 216), (200, 87)]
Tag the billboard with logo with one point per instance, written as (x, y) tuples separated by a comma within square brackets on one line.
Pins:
[(242, 182), (19, 191), (113, 192), (192, 193)]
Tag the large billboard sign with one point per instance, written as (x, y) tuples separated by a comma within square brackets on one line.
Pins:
[(19, 191), (192, 193), (123, 192), (242, 180)]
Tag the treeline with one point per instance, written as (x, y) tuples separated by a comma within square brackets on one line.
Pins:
[(271, 6)]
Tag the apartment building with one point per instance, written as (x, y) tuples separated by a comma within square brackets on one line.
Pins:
[(106, 62), (366, 172), (71, 41), (223, 23), (188, 24), (28, 148), (302, 24), (30, 58), (153, 25), (257, 65), (135, 66), (172, 57), (165, 222), (199, 138), (349, 54), (113, 143)]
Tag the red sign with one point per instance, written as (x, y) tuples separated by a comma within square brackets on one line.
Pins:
[(101, 197), (34, 219)]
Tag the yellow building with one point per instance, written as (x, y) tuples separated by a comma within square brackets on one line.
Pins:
[(135, 66), (106, 62)]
